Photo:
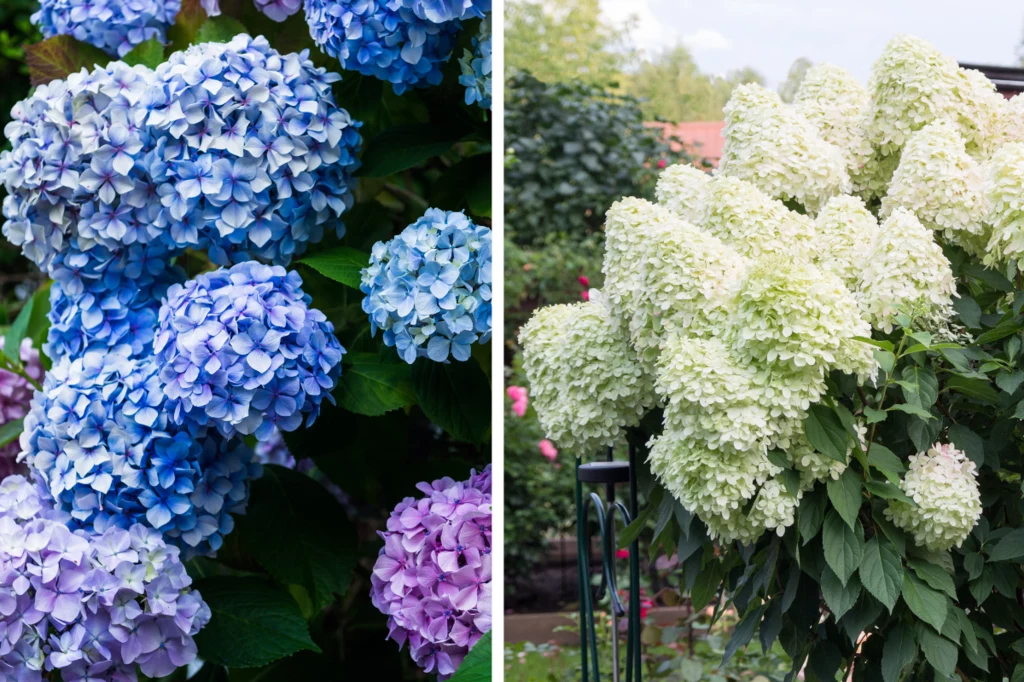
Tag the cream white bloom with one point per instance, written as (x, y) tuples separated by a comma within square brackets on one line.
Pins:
[(774, 508), (944, 484), (754, 224), (834, 101), (942, 185), (773, 146), (685, 287), (846, 234), (1004, 189), (906, 273), (628, 225), (585, 381), (683, 189)]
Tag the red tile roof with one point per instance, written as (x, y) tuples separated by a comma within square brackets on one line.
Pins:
[(701, 139)]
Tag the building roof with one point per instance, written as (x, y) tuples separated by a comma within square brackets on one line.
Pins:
[(700, 139)]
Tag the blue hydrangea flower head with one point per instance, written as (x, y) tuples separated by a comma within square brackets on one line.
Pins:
[(101, 440), (95, 606), (440, 11), (385, 39), (476, 68), (240, 349), (429, 288), (114, 26)]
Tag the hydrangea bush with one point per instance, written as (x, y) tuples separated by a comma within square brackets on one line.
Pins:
[(817, 351), (190, 204)]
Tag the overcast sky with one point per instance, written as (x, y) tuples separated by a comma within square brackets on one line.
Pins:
[(770, 34)]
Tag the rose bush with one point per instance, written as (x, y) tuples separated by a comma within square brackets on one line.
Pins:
[(204, 207), (817, 349)]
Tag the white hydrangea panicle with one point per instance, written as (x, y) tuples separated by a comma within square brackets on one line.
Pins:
[(710, 396), (1012, 127), (774, 508), (585, 381), (686, 285), (773, 146), (683, 189), (942, 185), (944, 484), (871, 170), (627, 229), (754, 224), (906, 272), (834, 101), (792, 316), (913, 84), (847, 231), (1004, 189), (983, 117), (716, 485)]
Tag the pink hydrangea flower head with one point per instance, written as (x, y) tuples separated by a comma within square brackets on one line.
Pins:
[(432, 578)]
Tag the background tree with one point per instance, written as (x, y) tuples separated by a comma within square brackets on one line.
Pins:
[(788, 87)]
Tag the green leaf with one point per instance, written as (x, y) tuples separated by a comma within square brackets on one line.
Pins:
[(973, 564), (476, 666), (826, 433), (148, 53), (635, 527), (342, 264), (915, 410), (1018, 673), (706, 586), (372, 386), (253, 623), (899, 650), (1001, 331), (927, 604), (839, 597), (883, 459), (941, 653), (743, 632), (968, 441), (60, 56), (1010, 546), (18, 331), (934, 576), (1010, 381), (10, 431), (219, 29), (455, 396), (811, 513), (402, 147), (299, 533), (875, 416), (885, 359), (881, 571), (920, 385), (845, 495), (843, 545), (888, 491), (186, 24), (969, 311), (973, 388), (466, 185)]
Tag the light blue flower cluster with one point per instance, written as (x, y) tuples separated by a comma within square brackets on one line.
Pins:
[(90, 607), (239, 349), (114, 26), (101, 439), (440, 11), (227, 147), (387, 39), (429, 288), (476, 68)]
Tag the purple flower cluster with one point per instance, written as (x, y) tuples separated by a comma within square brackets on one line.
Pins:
[(278, 10), (274, 450), (114, 26), (15, 398), (433, 575), (230, 147), (429, 288), (241, 350), (101, 440), (90, 606), (386, 39)]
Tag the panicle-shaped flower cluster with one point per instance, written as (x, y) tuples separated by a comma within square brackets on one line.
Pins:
[(387, 39), (943, 482), (476, 68), (101, 439), (942, 185), (776, 148), (907, 272), (240, 350), (114, 26), (229, 147), (429, 288), (585, 380), (432, 578), (683, 189), (89, 607), (846, 234), (833, 100), (1005, 207), (15, 401)]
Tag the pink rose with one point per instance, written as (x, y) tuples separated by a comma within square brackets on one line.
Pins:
[(547, 449), (520, 399), (585, 295), (584, 280)]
